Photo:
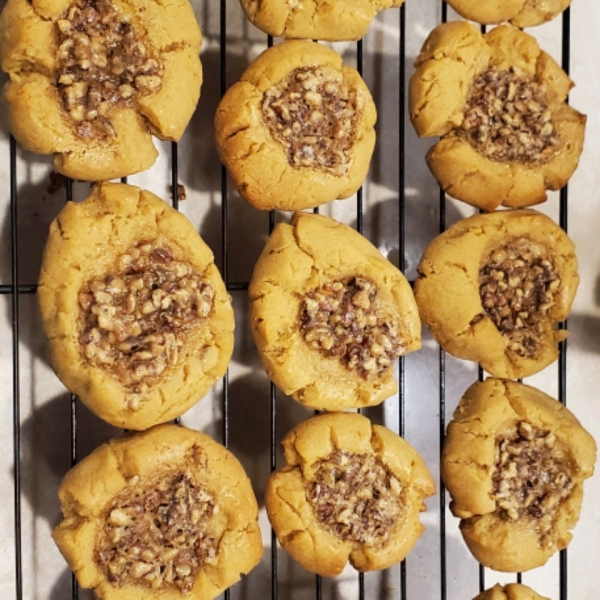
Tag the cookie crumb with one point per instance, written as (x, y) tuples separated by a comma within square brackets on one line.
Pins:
[(57, 182), (181, 192)]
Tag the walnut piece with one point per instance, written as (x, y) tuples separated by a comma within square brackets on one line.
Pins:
[(356, 497), (345, 320), (314, 118), (518, 285), (530, 478), (101, 64), (158, 533), (135, 321), (506, 118)]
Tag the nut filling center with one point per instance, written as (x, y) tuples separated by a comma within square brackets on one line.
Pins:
[(518, 286), (160, 535), (101, 64), (314, 117), (506, 118), (356, 497), (345, 320), (135, 322), (530, 480)]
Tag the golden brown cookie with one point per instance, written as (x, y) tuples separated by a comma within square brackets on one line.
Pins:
[(511, 591), (498, 103), (329, 20), (493, 287), (168, 513), (520, 13), (349, 492), (297, 130), (138, 319), (92, 80), (514, 462), (330, 314)]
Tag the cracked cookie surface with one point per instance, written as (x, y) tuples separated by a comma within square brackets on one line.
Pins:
[(520, 13), (494, 287), (167, 512), (297, 130), (330, 314), (498, 103), (350, 491), (328, 20), (128, 327), (92, 80), (514, 461)]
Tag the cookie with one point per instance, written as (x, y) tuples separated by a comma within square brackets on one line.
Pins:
[(90, 81), (499, 104), (297, 130), (139, 323), (167, 513), (514, 462), (330, 315), (511, 591), (520, 13), (493, 287), (349, 492), (328, 20)]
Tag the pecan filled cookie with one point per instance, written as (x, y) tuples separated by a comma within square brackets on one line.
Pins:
[(349, 492), (498, 103), (297, 130), (520, 13), (493, 288), (168, 513), (512, 591), (330, 20), (92, 80), (330, 315), (514, 462), (139, 322)]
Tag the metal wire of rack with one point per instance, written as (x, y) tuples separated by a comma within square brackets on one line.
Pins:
[(16, 291)]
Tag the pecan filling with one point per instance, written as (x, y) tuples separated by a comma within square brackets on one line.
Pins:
[(530, 480), (506, 118), (101, 64), (313, 117), (159, 535), (346, 321), (356, 497), (517, 286), (135, 322)]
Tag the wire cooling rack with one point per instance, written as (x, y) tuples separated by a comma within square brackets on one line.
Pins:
[(434, 573)]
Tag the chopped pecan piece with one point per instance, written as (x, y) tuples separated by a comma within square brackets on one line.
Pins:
[(135, 321), (158, 534), (101, 63), (345, 320), (314, 118), (530, 479), (507, 118), (518, 285), (356, 497)]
